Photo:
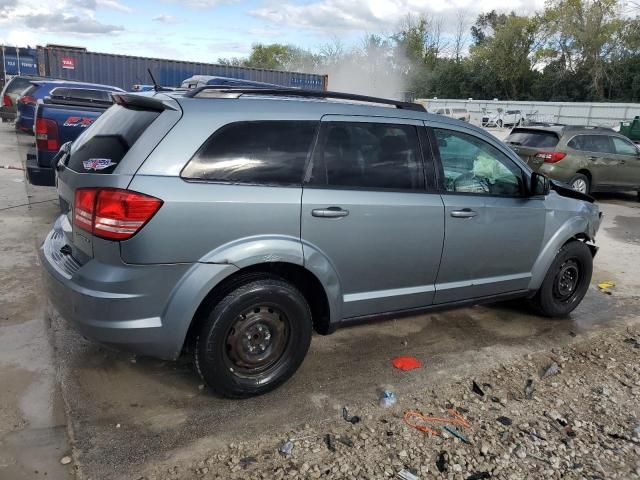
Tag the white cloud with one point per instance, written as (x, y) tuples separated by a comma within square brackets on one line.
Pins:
[(114, 5), (66, 16), (165, 18), (333, 16), (201, 3)]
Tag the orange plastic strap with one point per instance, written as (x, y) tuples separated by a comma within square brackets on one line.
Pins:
[(423, 420)]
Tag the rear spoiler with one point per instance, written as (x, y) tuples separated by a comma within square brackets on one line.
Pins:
[(142, 102)]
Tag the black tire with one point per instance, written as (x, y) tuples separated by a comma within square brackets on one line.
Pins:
[(559, 293), (267, 317), (580, 177)]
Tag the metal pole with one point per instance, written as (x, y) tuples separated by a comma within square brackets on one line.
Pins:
[(4, 67), (18, 57)]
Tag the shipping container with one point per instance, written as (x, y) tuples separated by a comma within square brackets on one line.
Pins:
[(126, 71), (18, 61)]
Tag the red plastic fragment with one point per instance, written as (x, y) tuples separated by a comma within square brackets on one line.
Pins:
[(406, 363)]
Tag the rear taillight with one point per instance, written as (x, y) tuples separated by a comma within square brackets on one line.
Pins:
[(6, 101), (47, 135), (111, 213), (551, 157), (28, 100)]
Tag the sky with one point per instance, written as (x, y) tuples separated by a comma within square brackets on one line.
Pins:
[(205, 30)]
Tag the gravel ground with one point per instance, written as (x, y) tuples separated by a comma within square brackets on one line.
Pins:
[(581, 420)]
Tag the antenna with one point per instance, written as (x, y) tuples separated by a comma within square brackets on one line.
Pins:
[(156, 87)]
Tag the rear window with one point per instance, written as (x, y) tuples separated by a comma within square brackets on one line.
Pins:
[(532, 138), (82, 93), (261, 152), (17, 85), (100, 148)]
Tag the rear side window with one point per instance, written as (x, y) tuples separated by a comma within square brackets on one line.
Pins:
[(261, 152), (592, 143), (100, 148), (532, 138), (369, 156)]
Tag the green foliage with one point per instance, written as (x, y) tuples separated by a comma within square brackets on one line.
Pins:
[(574, 50)]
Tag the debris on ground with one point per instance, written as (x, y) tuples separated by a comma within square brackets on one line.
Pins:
[(528, 389), (406, 363), (584, 424), (286, 448), (424, 423), (65, 460), (606, 285), (506, 421), (387, 399), (475, 388), (456, 434), (248, 461), (345, 414), (330, 442), (479, 476), (407, 475), (551, 370)]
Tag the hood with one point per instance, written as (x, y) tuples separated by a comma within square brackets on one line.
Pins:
[(566, 191)]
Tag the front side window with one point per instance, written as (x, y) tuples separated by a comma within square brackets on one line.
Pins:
[(624, 147), (369, 156), (471, 165), (260, 152)]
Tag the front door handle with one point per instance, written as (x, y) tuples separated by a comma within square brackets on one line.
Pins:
[(329, 212), (592, 158), (464, 213)]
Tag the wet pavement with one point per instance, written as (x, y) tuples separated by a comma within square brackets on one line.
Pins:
[(124, 413), (33, 427)]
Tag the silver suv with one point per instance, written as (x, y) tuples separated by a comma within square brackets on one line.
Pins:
[(232, 223)]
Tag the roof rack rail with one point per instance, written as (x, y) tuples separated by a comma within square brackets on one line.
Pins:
[(296, 92)]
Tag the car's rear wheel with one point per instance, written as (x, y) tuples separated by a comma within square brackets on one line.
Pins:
[(254, 338), (566, 282), (580, 183)]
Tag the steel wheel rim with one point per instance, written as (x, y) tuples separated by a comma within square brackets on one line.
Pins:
[(579, 185), (256, 340), (567, 280)]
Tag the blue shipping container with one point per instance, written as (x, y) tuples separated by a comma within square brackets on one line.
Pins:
[(19, 61), (125, 71)]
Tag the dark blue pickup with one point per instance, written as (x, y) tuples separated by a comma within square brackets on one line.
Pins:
[(61, 118)]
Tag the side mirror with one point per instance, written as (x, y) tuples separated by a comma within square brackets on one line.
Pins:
[(540, 185)]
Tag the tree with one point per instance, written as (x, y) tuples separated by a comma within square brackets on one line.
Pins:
[(584, 35), (504, 51)]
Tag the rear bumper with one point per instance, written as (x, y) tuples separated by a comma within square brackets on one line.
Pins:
[(117, 305), (557, 172), (38, 175)]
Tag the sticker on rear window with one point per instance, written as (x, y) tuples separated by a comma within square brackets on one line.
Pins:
[(97, 164)]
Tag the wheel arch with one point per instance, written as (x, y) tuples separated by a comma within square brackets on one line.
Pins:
[(574, 229), (298, 276)]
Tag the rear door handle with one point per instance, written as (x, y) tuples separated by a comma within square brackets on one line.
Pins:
[(329, 212), (464, 213)]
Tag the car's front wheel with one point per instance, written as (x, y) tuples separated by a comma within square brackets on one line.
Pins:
[(566, 282), (254, 339)]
